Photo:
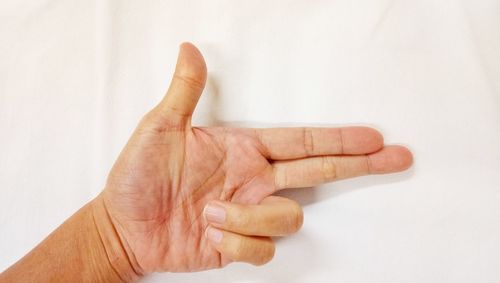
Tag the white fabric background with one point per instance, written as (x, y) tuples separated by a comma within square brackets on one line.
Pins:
[(76, 76)]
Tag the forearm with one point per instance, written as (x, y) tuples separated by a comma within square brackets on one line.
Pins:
[(85, 248)]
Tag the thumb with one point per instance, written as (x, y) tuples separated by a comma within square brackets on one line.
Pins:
[(186, 86)]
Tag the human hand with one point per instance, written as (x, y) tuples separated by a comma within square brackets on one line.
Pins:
[(159, 187)]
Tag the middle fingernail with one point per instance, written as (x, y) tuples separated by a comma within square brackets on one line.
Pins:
[(215, 213), (214, 235)]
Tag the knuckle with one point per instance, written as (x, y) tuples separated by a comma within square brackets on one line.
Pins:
[(308, 140), (240, 219), (191, 81), (158, 121), (177, 110), (328, 168), (239, 249), (149, 122), (280, 176)]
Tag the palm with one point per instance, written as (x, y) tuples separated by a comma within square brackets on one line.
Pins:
[(157, 208), (169, 171)]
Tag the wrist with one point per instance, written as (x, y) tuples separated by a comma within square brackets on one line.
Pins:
[(117, 251), (83, 249)]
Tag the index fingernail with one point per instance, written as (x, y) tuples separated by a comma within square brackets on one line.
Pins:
[(214, 213)]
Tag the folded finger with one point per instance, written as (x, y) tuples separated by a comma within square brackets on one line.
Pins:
[(274, 216), (251, 249)]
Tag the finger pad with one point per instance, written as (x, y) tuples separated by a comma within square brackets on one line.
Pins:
[(391, 159), (361, 140), (192, 61)]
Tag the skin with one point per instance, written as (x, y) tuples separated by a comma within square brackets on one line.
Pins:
[(158, 211)]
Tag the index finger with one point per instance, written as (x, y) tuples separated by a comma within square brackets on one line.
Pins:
[(293, 143), (273, 216)]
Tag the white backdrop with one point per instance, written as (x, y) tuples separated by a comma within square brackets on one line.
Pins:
[(76, 76)]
